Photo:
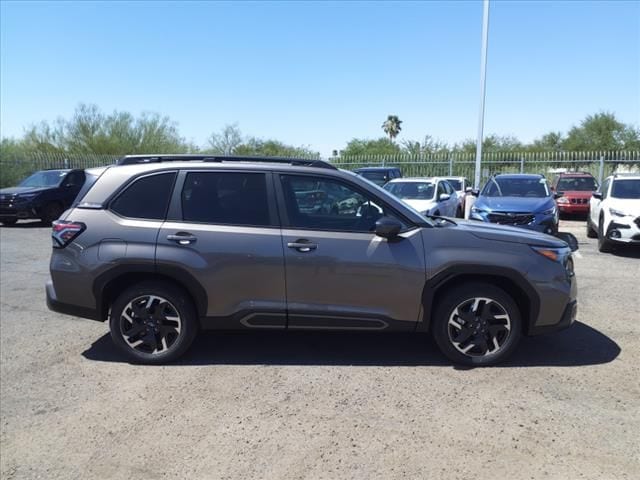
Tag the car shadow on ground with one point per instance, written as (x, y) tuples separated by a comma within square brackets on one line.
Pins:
[(626, 251), (29, 224), (579, 345)]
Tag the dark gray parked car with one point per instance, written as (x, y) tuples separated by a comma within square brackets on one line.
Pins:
[(165, 246)]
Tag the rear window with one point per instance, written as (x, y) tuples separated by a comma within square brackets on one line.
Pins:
[(576, 184), (146, 198), (226, 198)]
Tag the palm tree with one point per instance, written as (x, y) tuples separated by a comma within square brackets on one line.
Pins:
[(392, 127)]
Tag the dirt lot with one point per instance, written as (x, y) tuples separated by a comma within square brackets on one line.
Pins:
[(289, 406)]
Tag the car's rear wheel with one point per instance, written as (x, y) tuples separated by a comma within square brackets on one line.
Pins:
[(9, 222), (604, 244), (153, 322), (591, 233), (477, 324), (51, 212)]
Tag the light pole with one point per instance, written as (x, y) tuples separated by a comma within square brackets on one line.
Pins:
[(483, 90)]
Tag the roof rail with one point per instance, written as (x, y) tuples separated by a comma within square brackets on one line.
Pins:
[(138, 159)]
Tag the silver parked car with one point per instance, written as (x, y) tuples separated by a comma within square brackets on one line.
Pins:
[(163, 246)]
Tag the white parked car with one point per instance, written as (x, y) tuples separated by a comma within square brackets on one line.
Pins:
[(429, 196), (614, 212), (462, 187)]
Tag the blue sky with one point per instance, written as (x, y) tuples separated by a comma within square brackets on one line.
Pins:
[(319, 74)]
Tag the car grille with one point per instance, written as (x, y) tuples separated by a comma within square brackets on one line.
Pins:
[(5, 202), (510, 218), (579, 201)]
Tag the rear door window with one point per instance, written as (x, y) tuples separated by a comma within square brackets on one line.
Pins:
[(146, 198), (226, 198)]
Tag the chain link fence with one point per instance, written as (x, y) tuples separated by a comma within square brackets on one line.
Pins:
[(599, 164)]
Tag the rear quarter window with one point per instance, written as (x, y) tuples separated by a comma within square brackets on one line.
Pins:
[(146, 198)]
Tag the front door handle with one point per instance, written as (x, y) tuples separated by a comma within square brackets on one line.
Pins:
[(182, 238), (303, 246)]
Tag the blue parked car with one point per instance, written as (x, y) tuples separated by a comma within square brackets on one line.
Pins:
[(521, 200)]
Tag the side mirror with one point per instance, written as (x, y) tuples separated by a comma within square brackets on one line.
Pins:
[(557, 195), (443, 197), (597, 195), (388, 227)]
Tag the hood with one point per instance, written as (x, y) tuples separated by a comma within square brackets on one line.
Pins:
[(505, 233), (420, 205), (515, 204), (17, 190), (630, 206), (576, 193)]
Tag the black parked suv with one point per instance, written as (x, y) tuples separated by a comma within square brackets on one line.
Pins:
[(164, 246), (44, 195), (379, 175)]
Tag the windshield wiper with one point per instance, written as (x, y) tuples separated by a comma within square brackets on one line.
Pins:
[(438, 217)]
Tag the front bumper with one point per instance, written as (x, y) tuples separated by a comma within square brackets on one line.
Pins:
[(572, 208), (57, 306), (624, 230), (12, 213)]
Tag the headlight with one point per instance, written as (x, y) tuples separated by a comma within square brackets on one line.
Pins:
[(475, 209), (558, 255), (25, 196), (551, 211), (617, 213), (563, 200)]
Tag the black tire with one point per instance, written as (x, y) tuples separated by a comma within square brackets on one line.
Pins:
[(591, 233), (509, 329), (51, 212), (176, 301), (604, 244), (9, 222)]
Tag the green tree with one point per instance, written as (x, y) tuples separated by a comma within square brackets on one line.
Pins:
[(91, 131), (430, 146), (602, 131), (226, 142), (392, 126), (491, 143), (273, 148), (380, 146), (549, 142)]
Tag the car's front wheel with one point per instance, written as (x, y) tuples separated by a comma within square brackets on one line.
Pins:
[(153, 322), (591, 233), (604, 244), (477, 324)]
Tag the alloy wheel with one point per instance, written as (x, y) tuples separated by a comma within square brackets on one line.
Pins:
[(150, 324), (479, 326)]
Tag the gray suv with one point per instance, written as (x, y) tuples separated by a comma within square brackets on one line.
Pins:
[(164, 246)]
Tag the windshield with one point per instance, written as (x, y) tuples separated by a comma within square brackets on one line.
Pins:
[(516, 187), (46, 178), (576, 184), (456, 184), (411, 190), (379, 178), (629, 189)]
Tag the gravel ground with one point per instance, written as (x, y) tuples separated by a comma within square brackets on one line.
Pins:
[(289, 406)]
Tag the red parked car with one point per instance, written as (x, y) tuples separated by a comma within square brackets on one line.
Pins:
[(573, 191)]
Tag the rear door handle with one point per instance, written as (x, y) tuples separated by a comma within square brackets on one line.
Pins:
[(182, 238), (303, 246)]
